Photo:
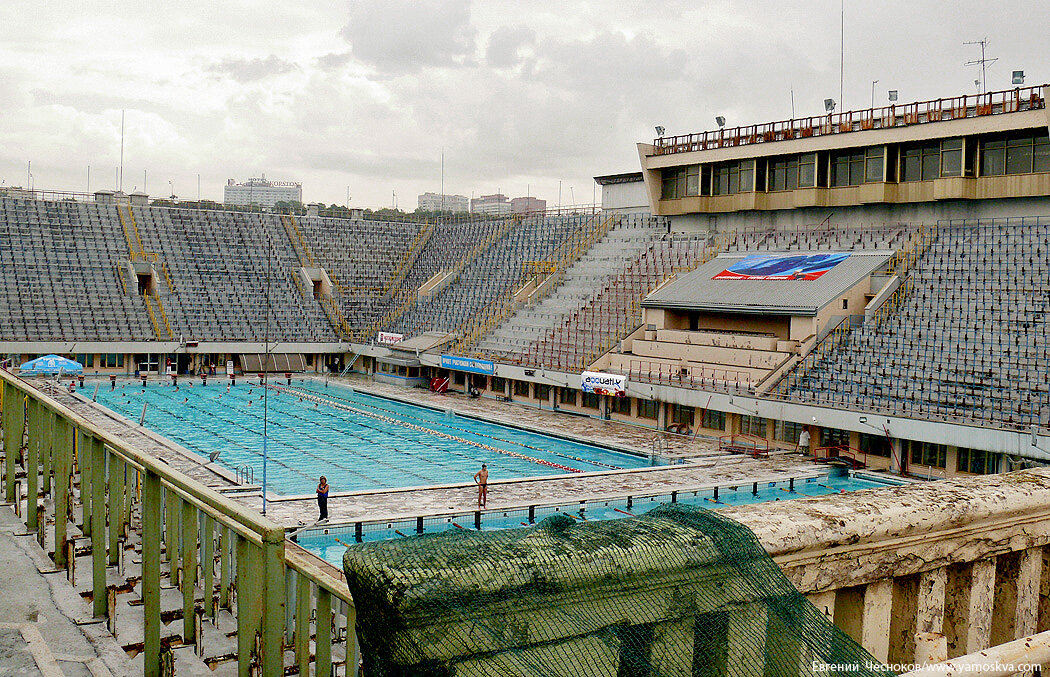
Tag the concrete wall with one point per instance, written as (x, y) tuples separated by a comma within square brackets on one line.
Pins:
[(625, 198), (963, 558)]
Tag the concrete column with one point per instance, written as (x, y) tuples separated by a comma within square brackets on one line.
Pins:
[(552, 398), (508, 388), (897, 461), (747, 641), (982, 594), (1029, 574), (929, 613), (661, 415), (875, 628)]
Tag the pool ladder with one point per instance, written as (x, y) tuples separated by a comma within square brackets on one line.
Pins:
[(246, 475)]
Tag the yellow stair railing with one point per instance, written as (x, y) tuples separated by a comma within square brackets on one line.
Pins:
[(138, 239), (167, 276), (127, 234), (403, 266), (152, 315), (163, 317), (123, 279)]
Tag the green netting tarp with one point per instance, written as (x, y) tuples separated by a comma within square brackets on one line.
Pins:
[(677, 591)]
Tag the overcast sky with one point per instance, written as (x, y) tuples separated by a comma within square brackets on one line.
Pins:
[(521, 96)]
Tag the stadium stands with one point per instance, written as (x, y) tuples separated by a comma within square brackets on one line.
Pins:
[(970, 340), (62, 276), (613, 310), (623, 241)]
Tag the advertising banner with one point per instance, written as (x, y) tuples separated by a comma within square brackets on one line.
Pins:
[(604, 384), (388, 337), (468, 364), (782, 266)]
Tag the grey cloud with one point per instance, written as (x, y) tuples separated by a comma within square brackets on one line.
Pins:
[(248, 70), (505, 46), (334, 60), (403, 36)]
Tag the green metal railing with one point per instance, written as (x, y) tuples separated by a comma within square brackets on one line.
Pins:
[(84, 482)]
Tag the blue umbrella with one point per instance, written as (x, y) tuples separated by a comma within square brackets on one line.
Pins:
[(51, 364)]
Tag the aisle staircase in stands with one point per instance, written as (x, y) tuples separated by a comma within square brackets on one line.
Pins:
[(306, 260)]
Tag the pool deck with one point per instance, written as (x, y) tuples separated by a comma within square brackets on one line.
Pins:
[(701, 464)]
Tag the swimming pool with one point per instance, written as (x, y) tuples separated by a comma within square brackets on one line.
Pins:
[(358, 441), (330, 543)]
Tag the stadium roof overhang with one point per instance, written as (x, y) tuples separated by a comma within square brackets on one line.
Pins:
[(760, 283)]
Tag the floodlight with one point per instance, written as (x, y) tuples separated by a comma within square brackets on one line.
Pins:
[(1018, 78), (893, 95), (720, 121), (829, 105), (660, 130)]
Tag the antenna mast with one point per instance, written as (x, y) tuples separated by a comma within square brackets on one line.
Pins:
[(983, 62)]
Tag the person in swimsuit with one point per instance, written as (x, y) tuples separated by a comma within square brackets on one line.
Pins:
[(481, 478), (322, 498)]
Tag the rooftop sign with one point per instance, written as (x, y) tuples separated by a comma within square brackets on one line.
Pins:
[(782, 266)]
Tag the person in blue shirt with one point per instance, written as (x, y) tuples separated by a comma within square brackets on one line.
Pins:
[(322, 499)]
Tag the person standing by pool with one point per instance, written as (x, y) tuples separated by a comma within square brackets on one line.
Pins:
[(481, 478), (322, 499)]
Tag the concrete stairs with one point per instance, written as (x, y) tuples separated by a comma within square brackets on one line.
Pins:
[(582, 280)]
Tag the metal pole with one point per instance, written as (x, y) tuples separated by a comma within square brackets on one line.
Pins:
[(266, 359)]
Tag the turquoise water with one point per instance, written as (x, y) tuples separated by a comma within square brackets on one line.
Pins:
[(330, 543), (358, 441)]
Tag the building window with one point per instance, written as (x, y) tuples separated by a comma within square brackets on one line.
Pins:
[(86, 360), (567, 396), (111, 360), (715, 420), (875, 445), (931, 160), (521, 388), (951, 157), (847, 169), (783, 174), (753, 425), (590, 401), (977, 462), (833, 437), (680, 182), (499, 384), (807, 170), (682, 415), (728, 178), (927, 453), (648, 409), (874, 161), (1016, 154), (787, 431), (543, 392), (622, 405)]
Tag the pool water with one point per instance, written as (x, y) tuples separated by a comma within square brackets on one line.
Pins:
[(358, 441), (330, 543)]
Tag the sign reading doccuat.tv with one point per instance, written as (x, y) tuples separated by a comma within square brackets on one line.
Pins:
[(468, 364)]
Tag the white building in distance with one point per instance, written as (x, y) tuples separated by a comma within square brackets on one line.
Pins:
[(261, 193), (490, 204), (436, 202)]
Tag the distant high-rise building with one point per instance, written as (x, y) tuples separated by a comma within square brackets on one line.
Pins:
[(261, 193), (527, 205), (490, 204), (436, 202)]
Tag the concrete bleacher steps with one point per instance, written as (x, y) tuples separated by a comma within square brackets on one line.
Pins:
[(623, 241)]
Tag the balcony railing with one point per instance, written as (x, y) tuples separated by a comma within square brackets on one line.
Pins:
[(935, 110)]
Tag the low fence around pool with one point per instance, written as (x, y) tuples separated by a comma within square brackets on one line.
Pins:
[(74, 482), (712, 495)]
